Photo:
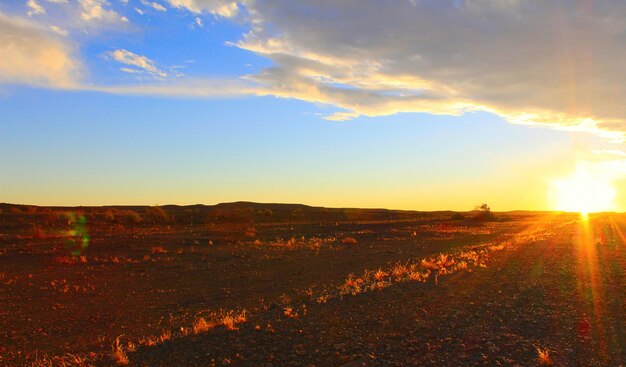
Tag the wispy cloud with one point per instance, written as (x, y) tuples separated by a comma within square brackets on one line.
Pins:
[(31, 55), (34, 8), (59, 30), (223, 8), (99, 11), (142, 63), (153, 5)]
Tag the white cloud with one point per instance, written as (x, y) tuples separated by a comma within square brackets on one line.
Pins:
[(31, 55), (223, 8), (199, 22), (131, 71), (144, 64), (139, 11), (35, 8), (99, 11), (153, 5)]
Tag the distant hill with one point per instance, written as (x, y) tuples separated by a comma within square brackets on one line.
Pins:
[(223, 213)]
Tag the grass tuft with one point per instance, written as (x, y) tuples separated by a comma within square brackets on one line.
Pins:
[(118, 354), (543, 357), (201, 325)]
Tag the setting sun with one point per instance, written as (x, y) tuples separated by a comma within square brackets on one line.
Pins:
[(582, 192)]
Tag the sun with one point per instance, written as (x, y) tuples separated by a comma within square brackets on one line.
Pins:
[(582, 192)]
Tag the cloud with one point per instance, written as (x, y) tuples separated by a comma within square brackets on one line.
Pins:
[(32, 55), (35, 8), (223, 8), (59, 30), (555, 63), (187, 88), (79, 16), (153, 5), (99, 11), (545, 63), (144, 64)]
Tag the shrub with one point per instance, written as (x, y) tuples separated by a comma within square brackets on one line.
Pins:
[(157, 214), (457, 216), (484, 212)]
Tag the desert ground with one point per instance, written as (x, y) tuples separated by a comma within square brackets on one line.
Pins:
[(245, 284)]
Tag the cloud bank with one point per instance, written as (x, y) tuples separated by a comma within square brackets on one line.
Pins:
[(547, 63)]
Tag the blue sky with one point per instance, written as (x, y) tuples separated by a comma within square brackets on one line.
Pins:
[(202, 101)]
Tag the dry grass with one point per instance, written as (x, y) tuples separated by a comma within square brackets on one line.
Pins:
[(380, 275), (234, 318), (158, 250), (349, 241), (323, 298), (118, 355), (165, 336), (201, 325), (312, 243), (399, 271), (68, 360), (229, 320), (415, 270), (352, 286), (250, 232), (70, 260), (462, 265), (543, 357), (288, 311), (148, 341), (151, 340), (496, 247), (429, 264)]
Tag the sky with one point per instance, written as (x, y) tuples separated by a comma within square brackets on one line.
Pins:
[(416, 104)]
